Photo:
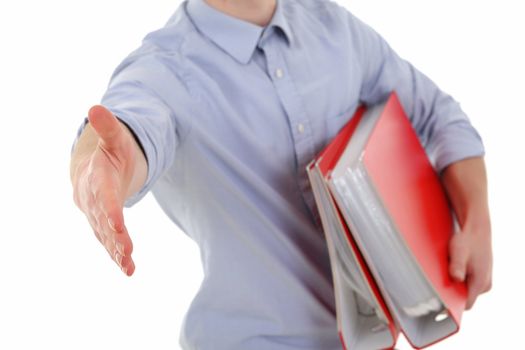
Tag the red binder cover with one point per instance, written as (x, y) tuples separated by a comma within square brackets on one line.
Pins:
[(411, 192), (413, 195)]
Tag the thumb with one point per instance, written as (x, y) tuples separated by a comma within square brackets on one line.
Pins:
[(106, 125), (458, 253)]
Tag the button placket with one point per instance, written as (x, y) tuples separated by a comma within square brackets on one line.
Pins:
[(297, 118), (293, 105)]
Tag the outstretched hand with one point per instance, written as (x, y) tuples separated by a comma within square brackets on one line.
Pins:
[(102, 180)]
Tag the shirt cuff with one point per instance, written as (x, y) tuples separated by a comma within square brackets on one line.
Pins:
[(455, 143)]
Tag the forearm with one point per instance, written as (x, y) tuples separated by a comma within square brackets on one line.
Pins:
[(466, 185)]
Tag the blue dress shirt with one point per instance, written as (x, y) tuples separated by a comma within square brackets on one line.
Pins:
[(229, 114)]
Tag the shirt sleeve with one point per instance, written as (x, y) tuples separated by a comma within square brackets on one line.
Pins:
[(443, 128), (136, 96)]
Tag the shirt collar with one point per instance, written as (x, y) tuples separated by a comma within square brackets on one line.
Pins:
[(237, 37), (279, 20)]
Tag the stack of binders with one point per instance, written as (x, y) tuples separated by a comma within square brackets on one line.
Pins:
[(387, 223)]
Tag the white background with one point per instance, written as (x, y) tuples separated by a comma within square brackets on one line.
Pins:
[(58, 288)]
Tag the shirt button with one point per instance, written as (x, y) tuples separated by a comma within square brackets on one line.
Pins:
[(279, 73), (300, 128)]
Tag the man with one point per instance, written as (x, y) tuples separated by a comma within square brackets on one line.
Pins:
[(219, 113)]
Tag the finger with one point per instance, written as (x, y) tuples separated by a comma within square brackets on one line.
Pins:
[(97, 230), (475, 288), (458, 254), (106, 125), (124, 243), (129, 269), (118, 244), (108, 215), (110, 205), (99, 237), (471, 301), (112, 243), (124, 248), (117, 251), (127, 265), (125, 262), (479, 280), (488, 286), (111, 214), (105, 198)]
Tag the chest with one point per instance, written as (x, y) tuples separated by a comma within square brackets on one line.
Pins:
[(287, 101)]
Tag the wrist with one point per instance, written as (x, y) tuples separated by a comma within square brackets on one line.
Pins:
[(477, 222)]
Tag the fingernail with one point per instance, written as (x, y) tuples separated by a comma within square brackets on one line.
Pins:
[(118, 259), (125, 270), (120, 248)]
